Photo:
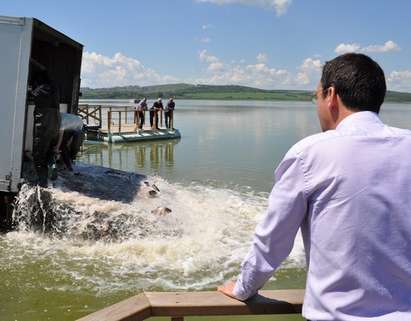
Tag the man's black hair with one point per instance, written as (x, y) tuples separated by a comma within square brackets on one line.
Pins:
[(358, 80)]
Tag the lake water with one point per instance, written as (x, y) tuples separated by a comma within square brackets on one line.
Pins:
[(216, 180)]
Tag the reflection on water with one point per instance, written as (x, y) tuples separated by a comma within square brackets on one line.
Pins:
[(145, 156)]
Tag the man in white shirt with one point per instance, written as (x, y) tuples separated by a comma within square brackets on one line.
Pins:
[(141, 112), (349, 190)]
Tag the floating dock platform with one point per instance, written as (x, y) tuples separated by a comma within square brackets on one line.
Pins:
[(143, 135), (119, 125)]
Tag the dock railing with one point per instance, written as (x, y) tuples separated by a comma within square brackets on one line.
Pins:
[(118, 119), (91, 112), (114, 120), (178, 305), (126, 120)]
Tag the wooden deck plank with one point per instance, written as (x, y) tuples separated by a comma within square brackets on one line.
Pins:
[(181, 304), (216, 303), (125, 128), (136, 308)]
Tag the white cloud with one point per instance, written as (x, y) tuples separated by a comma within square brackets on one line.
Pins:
[(257, 75), (119, 70), (262, 57), (309, 72), (347, 47), (311, 64), (216, 66), (355, 47), (280, 6), (387, 46), (400, 80), (206, 57), (102, 71)]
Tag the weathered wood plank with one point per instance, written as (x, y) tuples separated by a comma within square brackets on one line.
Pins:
[(136, 308), (177, 305), (125, 128), (215, 303)]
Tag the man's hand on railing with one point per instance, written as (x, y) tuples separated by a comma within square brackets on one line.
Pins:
[(227, 289)]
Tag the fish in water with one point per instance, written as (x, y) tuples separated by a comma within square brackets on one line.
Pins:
[(154, 190), (152, 193), (151, 190), (161, 211)]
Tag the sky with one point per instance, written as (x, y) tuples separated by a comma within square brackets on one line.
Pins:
[(270, 44)]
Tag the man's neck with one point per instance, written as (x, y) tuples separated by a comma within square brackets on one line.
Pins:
[(343, 112)]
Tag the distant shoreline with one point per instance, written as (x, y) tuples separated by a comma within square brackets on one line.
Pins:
[(207, 92)]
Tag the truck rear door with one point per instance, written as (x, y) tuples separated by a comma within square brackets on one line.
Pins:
[(15, 44)]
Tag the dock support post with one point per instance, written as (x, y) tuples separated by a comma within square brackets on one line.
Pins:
[(99, 116), (109, 121), (87, 119)]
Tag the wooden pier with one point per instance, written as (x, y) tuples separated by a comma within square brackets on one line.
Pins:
[(178, 305), (119, 124)]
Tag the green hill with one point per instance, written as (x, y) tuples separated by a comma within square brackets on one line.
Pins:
[(398, 97), (227, 92)]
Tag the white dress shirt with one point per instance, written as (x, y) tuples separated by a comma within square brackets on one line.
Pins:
[(349, 190)]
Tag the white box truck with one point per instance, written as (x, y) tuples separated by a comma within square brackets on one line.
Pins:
[(26, 44)]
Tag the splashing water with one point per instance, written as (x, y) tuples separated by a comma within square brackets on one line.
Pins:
[(105, 241)]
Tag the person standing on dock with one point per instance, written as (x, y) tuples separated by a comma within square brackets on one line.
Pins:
[(154, 111), (141, 110), (348, 189), (169, 113)]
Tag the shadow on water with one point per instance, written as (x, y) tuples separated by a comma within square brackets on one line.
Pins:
[(103, 183)]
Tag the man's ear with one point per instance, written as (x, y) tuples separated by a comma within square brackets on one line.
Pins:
[(332, 99), (333, 103)]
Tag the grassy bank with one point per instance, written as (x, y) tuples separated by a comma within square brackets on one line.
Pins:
[(187, 91)]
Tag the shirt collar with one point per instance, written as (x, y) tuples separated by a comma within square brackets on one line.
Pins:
[(360, 119)]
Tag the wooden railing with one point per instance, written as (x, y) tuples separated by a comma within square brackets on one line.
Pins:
[(87, 112), (178, 305), (119, 119), (92, 115), (125, 118)]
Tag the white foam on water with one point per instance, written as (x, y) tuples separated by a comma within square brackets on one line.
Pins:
[(198, 245)]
